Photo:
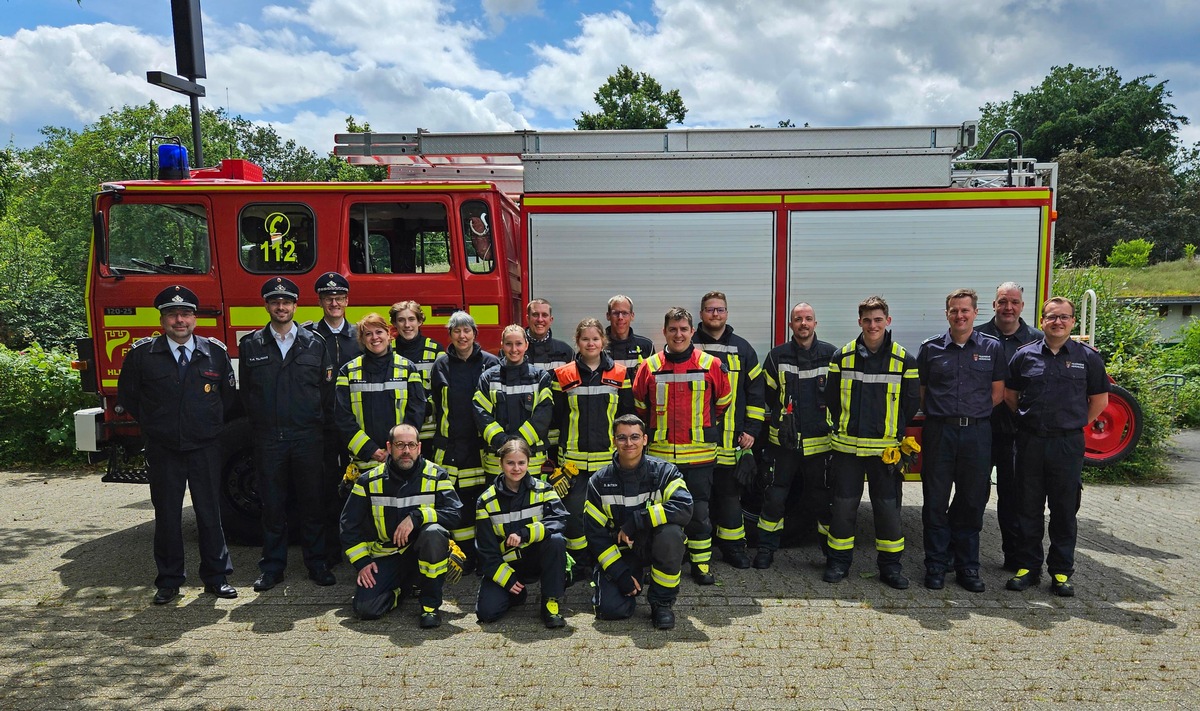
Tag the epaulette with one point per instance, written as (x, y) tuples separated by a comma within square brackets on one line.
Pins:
[(218, 344), (142, 341), (987, 335), (933, 338), (310, 325)]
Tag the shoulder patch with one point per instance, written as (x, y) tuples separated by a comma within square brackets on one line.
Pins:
[(218, 344), (143, 341)]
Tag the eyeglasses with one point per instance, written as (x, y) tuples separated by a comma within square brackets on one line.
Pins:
[(715, 310), (334, 299), (620, 314), (635, 438), (406, 445), (1059, 317)]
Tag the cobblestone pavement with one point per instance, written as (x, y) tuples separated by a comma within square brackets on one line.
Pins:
[(77, 629)]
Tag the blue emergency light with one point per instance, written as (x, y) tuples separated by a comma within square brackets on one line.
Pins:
[(173, 162)]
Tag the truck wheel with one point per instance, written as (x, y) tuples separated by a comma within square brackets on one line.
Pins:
[(240, 508), (1115, 433)]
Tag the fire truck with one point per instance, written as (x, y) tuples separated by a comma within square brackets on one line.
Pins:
[(482, 222)]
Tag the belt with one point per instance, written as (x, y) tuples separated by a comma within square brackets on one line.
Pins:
[(958, 421), (1051, 431)]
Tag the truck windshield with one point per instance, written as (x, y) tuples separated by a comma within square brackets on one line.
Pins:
[(158, 238)]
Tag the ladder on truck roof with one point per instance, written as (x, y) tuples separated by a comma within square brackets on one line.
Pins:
[(692, 159)]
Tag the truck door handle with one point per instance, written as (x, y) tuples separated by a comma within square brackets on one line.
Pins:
[(443, 310)]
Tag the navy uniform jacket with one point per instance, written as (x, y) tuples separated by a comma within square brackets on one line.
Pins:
[(631, 352), (547, 354), (1054, 389), (958, 379), (1003, 419), (180, 414), (341, 346), (534, 511), (286, 398), (652, 495)]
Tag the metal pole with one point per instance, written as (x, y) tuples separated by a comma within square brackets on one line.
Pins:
[(197, 151)]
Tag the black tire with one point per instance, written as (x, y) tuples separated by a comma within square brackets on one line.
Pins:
[(241, 510), (1115, 433)]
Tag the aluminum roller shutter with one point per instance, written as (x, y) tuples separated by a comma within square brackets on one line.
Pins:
[(913, 259), (660, 260)]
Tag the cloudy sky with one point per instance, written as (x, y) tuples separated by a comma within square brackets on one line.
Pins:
[(474, 65)]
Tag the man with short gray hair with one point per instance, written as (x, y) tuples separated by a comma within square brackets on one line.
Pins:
[(1008, 326)]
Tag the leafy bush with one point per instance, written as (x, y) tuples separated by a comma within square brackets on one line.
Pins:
[(38, 395), (1189, 252), (1126, 337), (1134, 253)]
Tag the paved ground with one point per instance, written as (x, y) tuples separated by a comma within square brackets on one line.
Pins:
[(77, 629)]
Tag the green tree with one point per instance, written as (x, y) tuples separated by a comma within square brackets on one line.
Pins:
[(1103, 200), (633, 100), (1080, 108)]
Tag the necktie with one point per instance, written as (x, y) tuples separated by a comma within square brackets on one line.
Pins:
[(183, 361)]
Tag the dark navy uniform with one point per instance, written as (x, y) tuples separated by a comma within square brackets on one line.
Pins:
[(630, 352), (745, 415), (342, 346), (957, 446), (457, 443), (535, 512), (182, 412), (1004, 447), (380, 500), (871, 397), (795, 379), (289, 401), (1051, 413), (181, 417), (651, 504)]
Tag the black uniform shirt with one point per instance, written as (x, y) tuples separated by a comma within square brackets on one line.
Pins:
[(1054, 389), (958, 379), (1003, 419)]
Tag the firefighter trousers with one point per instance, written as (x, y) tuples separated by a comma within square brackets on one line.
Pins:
[(884, 486), (573, 531), (662, 550), (1008, 493), (544, 561), (726, 509), (1051, 476), (957, 458), (812, 472), (423, 563), (699, 481), (200, 471), (291, 468)]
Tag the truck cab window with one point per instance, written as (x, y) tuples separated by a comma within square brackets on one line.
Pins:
[(399, 238), (158, 239), (479, 238), (277, 238)]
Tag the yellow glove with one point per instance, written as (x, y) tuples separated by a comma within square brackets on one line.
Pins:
[(351, 474), (891, 455), (910, 446), (457, 560), (562, 477)]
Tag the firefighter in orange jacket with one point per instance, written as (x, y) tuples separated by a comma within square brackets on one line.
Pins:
[(682, 393), (588, 396)]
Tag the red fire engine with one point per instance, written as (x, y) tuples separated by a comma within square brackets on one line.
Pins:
[(482, 222)]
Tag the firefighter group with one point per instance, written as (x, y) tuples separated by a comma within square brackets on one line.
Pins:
[(609, 462)]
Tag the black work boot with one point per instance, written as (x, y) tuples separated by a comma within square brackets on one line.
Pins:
[(736, 556), (662, 616)]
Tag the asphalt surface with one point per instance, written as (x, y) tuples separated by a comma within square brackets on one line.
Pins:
[(78, 630)]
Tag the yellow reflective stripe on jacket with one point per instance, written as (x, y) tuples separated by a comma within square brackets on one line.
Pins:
[(611, 555)]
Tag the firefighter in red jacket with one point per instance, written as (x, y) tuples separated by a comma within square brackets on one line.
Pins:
[(682, 393), (588, 396)]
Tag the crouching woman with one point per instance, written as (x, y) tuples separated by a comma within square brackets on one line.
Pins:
[(519, 523)]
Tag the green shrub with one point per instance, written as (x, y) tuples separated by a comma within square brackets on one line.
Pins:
[(1189, 252), (38, 395), (1127, 338), (1134, 253)]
